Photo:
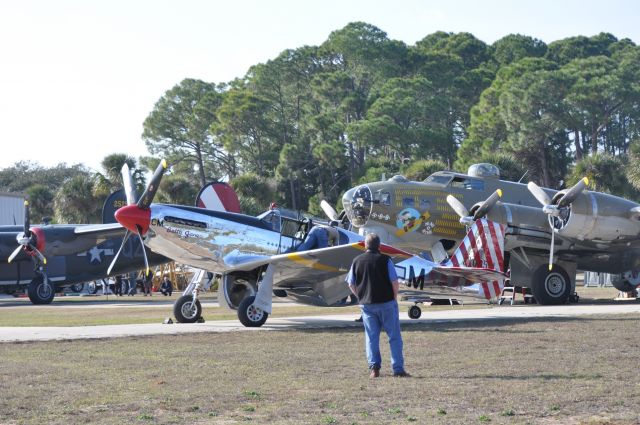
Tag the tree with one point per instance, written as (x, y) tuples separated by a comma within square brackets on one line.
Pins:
[(406, 120), (178, 128), (75, 203), (111, 178), (579, 47), (487, 130), (606, 173), (254, 194), (40, 202), (514, 47), (420, 170), (177, 190), (243, 127)]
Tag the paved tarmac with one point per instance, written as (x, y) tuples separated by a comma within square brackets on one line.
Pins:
[(456, 314)]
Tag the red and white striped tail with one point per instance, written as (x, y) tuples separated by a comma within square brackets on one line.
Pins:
[(483, 247)]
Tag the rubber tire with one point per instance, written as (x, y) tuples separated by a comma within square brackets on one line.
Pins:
[(38, 294), (92, 287), (77, 287), (245, 316), (622, 284), (178, 306), (542, 277), (415, 312)]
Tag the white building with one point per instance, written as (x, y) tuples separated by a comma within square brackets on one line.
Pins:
[(11, 208)]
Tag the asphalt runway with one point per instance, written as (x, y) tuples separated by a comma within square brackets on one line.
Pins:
[(456, 314)]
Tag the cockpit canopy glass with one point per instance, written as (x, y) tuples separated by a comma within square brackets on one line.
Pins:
[(439, 179)]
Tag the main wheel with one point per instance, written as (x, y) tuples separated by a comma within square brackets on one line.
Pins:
[(77, 287), (551, 287), (250, 315), (186, 311), (92, 287), (415, 312), (622, 284), (40, 291)]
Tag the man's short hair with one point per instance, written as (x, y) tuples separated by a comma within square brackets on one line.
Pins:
[(372, 242)]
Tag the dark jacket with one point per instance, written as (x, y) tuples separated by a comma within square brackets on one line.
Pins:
[(371, 276)]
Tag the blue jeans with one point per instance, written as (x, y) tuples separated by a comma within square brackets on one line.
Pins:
[(375, 318)]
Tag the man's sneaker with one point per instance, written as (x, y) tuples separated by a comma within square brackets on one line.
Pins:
[(402, 374), (375, 373)]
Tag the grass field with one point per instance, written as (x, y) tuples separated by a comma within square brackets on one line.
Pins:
[(568, 371)]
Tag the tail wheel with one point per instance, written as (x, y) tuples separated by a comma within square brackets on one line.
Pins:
[(551, 287), (250, 315), (40, 291), (415, 312), (186, 310)]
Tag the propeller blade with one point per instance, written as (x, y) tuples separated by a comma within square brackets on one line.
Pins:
[(457, 206), (539, 194), (553, 237), (14, 253), (27, 221), (487, 204), (144, 253), (127, 183), (329, 210), (149, 193), (115, 258), (573, 193), (39, 255)]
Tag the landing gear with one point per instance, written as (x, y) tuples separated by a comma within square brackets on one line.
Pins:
[(622, 284), (186, 310), (40, 290), (250, 315), (551, 287), (92, 287), (77, 287), (237, 286), (415, 312)]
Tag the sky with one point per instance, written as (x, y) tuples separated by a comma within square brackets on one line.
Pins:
[(78, 78)]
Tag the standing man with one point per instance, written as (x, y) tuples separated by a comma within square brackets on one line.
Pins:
[(372, 278)]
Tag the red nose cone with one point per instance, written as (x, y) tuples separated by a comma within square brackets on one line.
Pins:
[(133, 217)]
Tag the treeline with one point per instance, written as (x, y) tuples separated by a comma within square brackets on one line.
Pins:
[(317, 120)]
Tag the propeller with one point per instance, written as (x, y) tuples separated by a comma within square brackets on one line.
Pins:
[(329, 210), (481, 211), (136, 218), (30, 241), (558, 213), (127, 182), (150, 192)]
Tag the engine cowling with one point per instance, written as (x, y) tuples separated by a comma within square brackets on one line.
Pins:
[(596, 216)]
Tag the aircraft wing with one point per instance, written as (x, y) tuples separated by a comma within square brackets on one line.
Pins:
[(99, 232), (321, 264)]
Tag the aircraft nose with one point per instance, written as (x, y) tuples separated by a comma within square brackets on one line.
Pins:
[(357, 203), (134, 218)]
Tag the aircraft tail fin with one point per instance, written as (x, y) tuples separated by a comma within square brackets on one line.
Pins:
[(218, 196), (482, 247)]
